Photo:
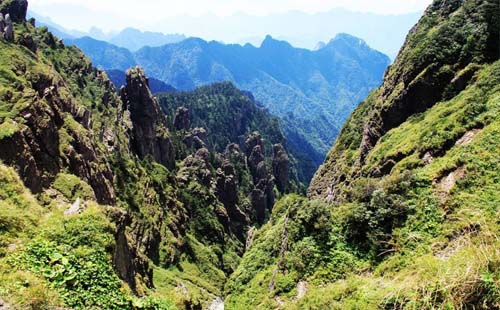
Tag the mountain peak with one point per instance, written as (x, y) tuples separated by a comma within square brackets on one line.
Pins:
[(270, 42), (345, 38)]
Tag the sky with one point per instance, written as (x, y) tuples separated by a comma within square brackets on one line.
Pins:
[(113, 15)]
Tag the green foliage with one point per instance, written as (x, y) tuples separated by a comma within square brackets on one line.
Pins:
[(72, 187), (379, 207), (83, 276)]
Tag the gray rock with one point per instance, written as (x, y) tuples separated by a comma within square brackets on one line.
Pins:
[(197, 138), (281, 167), (2, 23), (16, 8), (74, 209), (8, 29), (181, 120)]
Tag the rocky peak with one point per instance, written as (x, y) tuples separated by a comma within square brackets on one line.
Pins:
[(15, 8), (281, 167), (150, 136), (181, 119), (6, 27), (254, 139)]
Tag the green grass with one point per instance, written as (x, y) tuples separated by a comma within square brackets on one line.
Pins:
[(399, 241)]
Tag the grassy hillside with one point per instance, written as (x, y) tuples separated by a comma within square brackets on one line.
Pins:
[(405, 211)]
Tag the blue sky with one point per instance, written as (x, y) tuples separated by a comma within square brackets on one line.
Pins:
[(116, 14)]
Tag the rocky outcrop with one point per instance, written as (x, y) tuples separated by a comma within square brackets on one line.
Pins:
[(131, 266), (227, 193), (262, 195), (27, 41), (197, 165), (11, 11), (281, 167), (16, 8), (7, 28), (36, 149), (149, 136), (196, 138), (181, 119)]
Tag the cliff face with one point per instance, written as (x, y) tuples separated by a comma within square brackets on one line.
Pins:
[(439, 59), (49, 124)]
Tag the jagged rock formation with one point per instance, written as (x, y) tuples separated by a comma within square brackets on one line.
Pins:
[(262, 196), (34, 144), (196, 138), (15, 8), (149, 135), (281, 167), (229, 115), (181, 119)]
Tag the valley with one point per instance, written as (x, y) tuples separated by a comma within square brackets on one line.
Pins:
[(200, 175)]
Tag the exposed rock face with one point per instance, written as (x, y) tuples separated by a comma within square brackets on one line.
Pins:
[(8, 30), (262, 196), (35, 147), (149, 136), (16, 8), (197, 165), (196, 139), (129, 263), (254, 139), (227, 193), (281, 167), (181, 120)]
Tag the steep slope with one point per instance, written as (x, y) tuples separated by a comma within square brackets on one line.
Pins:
[(312, 91), (404, 211), (439, 59), (101, 205)]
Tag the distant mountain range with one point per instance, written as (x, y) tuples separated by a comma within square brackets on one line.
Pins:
[(129, 38), (385, 33), (312, 91)]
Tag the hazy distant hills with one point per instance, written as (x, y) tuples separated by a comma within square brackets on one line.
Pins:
[(134, 39), (129, 38), (385, 33), (312, 91)]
